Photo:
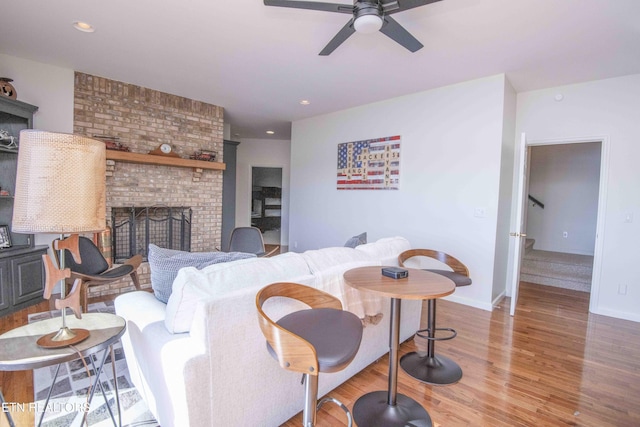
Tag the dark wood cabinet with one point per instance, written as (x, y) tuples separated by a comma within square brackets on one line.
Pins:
[(5, 298), (230, 155), (21, 268), (22, 278)]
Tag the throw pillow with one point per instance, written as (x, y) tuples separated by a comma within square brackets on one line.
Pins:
[(165, 264), (360, 239)]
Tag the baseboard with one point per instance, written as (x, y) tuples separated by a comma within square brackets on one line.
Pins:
[(496, 301), (469, 302), (634, 317)]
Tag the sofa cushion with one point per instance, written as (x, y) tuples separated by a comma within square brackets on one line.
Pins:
[(360, 239), (192, 285), (323, 259), (165, 264)]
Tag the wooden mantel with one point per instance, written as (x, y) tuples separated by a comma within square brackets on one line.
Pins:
[(149, 159)]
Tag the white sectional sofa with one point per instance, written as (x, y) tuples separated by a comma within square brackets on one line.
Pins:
[(201, 361)]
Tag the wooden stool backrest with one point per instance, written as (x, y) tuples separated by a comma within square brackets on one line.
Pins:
[(294, 353), (443, 257)]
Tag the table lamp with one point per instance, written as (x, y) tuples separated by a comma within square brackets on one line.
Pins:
[(60, 188)]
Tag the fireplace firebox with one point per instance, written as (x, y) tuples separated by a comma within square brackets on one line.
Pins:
[(134, 228)]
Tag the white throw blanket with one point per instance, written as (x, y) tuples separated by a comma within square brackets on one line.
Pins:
[(366, 305)]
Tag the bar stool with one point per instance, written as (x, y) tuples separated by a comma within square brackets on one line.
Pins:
[(322, 339), (431, 368)]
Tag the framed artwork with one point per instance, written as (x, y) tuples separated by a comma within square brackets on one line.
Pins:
[(5, 237), (372, 164)]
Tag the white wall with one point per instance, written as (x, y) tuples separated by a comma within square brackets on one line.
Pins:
[(565, 178), (264, 153), (48, 87), (608, 109), (450, 164), (51, 90)]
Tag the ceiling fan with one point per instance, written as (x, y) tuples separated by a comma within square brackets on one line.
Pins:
[(369, 16)]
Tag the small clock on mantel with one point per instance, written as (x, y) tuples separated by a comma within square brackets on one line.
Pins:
[(164, 150)]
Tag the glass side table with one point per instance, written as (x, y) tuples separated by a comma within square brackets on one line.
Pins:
[(19, 351)]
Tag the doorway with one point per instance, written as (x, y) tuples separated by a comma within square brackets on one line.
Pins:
[(561, 215), (266, 202), (595, 170)]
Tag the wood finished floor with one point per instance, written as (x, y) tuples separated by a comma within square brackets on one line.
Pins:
[(553, 364)]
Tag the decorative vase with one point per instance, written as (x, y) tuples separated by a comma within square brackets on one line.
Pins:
[(6, 88)]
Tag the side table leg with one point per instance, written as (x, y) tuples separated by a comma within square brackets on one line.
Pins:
[(115, 384), (6, 411), (99, 384), (46, 402)]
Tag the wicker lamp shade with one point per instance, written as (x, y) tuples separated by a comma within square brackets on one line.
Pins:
[(60, 184)]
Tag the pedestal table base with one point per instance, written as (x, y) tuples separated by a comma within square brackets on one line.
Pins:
[(372, 410)]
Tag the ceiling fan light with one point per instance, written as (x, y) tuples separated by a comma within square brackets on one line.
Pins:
[(367, 24)]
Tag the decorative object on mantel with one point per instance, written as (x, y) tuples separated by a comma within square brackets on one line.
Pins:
[(111, 143), (204, 155), (164, 150), (60, 188), (7, 89), (7, 140)]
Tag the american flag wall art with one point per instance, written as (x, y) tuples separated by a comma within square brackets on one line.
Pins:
[(372, 164)]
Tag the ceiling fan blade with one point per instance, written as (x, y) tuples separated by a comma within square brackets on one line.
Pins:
[(395, 31), (339, 38), (311, 5), (389, 7)]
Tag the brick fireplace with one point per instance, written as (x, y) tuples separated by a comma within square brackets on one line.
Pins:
[(142, 119)]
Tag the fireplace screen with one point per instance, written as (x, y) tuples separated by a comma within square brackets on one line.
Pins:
[(134, 228)]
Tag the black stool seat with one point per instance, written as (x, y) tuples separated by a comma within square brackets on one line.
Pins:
[(457, 278), (335, 335)]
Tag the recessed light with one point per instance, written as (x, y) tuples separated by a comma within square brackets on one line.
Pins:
[(83, 26), (270, 132), (305, 102)]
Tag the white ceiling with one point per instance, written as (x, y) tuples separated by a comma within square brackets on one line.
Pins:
[(258, 62)]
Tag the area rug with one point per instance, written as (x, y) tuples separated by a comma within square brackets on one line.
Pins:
[(69, 393)]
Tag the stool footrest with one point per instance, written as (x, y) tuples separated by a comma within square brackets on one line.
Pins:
[(329, 399), (424, 333)]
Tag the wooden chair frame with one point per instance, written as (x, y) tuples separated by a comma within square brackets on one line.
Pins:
[(88, 280)]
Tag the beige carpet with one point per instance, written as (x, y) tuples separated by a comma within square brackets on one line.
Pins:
[(562, 270)]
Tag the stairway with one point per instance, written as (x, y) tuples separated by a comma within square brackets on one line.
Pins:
[(528, 245), (562, 270)]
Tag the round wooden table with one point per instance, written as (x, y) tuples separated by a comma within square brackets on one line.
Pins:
[(388, 408)]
